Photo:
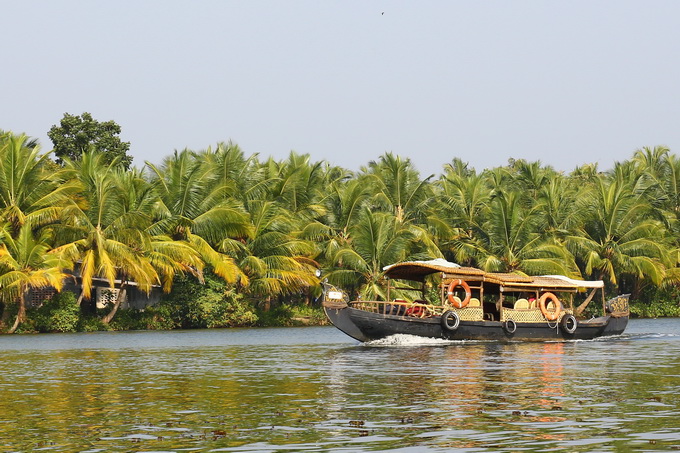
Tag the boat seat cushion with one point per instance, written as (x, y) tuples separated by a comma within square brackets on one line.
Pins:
[(474, 302), (521, 304)]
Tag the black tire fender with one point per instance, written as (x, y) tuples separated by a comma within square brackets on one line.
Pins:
[(450, 320), (569, 323), (510, 326)]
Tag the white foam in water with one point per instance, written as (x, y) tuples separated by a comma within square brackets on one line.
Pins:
[(401, 339)]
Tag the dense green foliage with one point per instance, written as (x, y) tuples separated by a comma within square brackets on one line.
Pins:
[(78, 134), (664, 303), (195, 305), (59, 314), (263, 227)]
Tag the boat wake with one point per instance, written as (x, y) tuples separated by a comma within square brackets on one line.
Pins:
[(650, 335), (628, 337), (401, 339)]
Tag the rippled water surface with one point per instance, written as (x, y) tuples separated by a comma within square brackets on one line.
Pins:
[(314, 389)]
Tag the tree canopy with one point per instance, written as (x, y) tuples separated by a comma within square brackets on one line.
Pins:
[(77, 134), (264, 226)]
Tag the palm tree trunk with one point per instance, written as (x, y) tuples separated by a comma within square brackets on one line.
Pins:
[(267, 303), (21, 314), (5, 315), (583, 306), (80, 297), (121, 295), (637, 289)]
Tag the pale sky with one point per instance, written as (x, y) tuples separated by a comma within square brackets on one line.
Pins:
[(563, 82)]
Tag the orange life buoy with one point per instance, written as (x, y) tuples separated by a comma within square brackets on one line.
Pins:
[(550, 315), (468, 295)]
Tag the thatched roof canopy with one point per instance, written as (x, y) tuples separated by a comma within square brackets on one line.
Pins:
[(418, 270)]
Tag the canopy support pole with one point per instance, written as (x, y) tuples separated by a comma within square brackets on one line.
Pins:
[(583, 306)]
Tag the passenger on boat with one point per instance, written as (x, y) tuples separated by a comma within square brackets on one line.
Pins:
[(532, 300)]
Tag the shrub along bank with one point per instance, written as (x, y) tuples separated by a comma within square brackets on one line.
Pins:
[(62, 314), (192, 305)]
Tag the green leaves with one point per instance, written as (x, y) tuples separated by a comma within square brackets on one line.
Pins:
[(264, 227), (78, 134)]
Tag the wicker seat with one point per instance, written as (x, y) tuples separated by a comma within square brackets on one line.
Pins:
[(521, 304)]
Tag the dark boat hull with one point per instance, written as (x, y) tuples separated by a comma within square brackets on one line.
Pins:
[(366, 326)]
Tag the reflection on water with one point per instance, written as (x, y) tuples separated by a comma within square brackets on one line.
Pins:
[(314, 389)]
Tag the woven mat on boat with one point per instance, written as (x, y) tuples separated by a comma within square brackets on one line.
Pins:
[(469, 313), (549, 282), (529, 282), (504, 279), (521, 315)]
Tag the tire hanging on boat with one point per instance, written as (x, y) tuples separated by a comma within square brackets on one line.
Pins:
[(543, 305), (569, 323), (510, 326), (450, 320), (468, 294)]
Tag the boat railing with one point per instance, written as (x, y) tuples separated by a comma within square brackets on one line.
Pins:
[(417, 309), (398, 307)]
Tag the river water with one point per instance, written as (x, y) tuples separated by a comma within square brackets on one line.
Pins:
[(315, 389)]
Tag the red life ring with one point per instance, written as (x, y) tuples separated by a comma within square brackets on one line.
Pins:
[(468, 294), (550, 315)]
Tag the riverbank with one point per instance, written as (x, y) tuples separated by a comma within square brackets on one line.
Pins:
[(62, 314), (658, 309)]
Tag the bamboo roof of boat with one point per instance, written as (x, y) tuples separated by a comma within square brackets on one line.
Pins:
[(418, 270)]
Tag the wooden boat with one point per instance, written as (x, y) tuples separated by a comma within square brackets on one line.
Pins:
[(476, 305)]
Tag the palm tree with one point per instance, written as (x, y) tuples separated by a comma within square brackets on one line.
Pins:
[(619, 237), (555, 206), (344, 202), (660, 182), (275, 259), (29, 143), (32, 188), (298, 185), (652, 161), (26, 262), (531, 177), (193, 208), (239, 177), (398, 187), (104, 231), (461, 208), (167, 257), (511, 240), (376, 240)]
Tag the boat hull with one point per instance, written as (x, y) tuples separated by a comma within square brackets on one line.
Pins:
[(366, 326)]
